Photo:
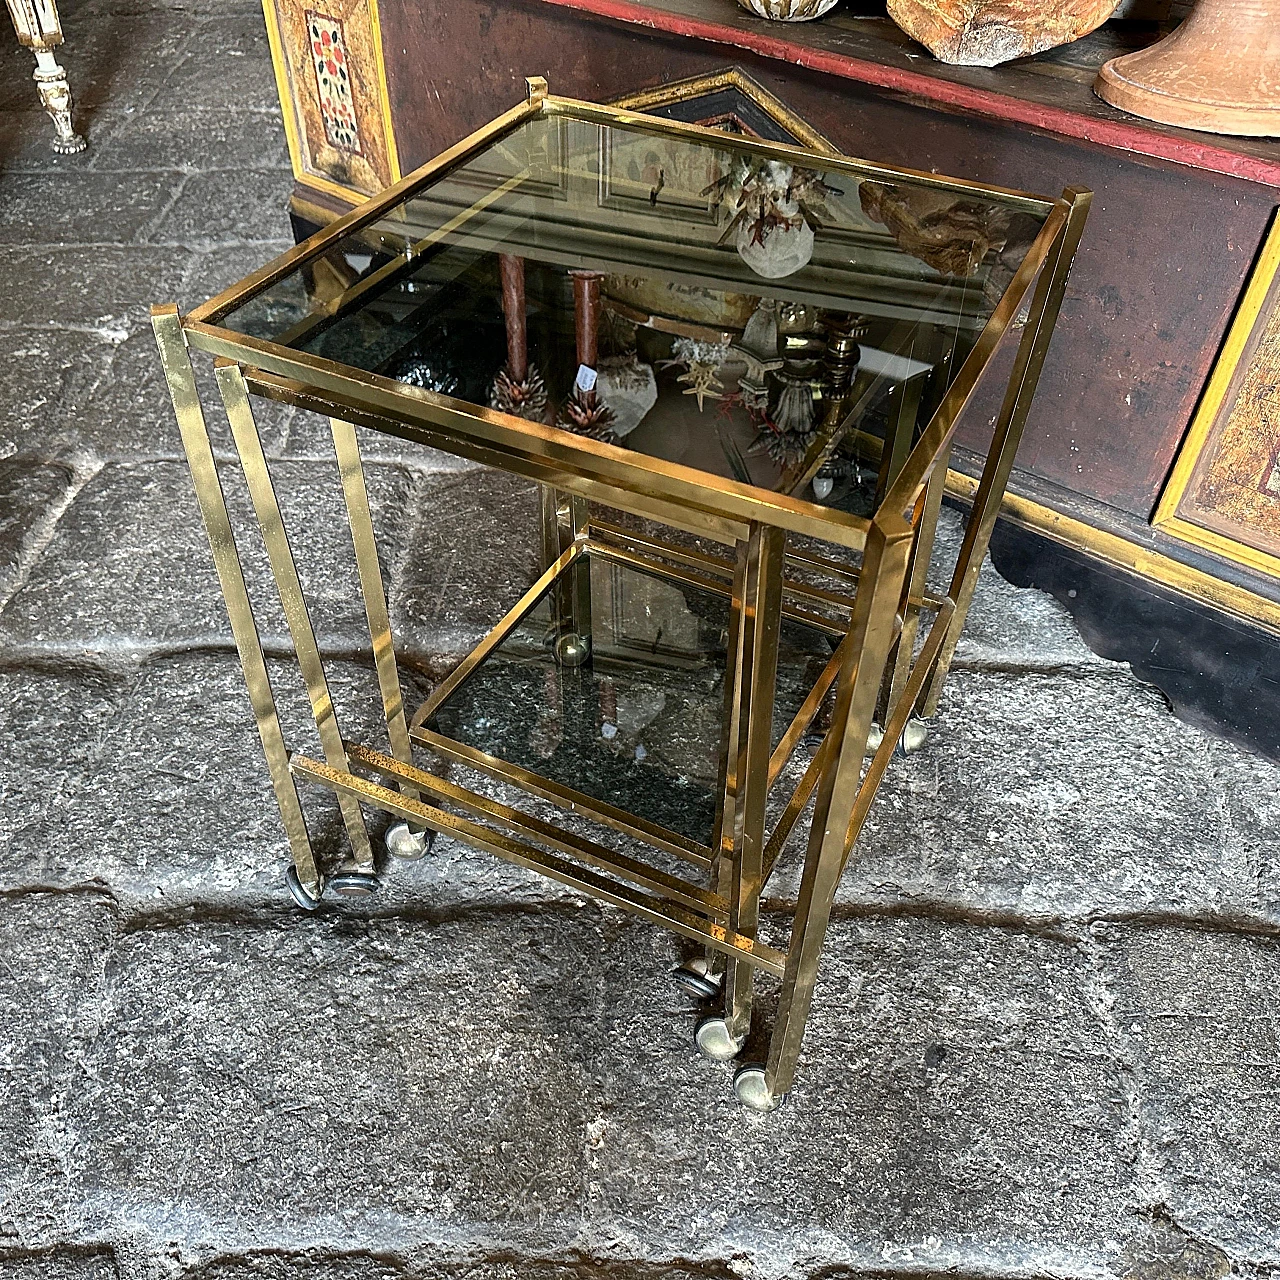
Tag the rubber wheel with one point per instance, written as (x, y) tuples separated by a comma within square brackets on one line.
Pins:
[(750, 1089), (694, 978), (298, 891), (712, 1037), (354, 884)]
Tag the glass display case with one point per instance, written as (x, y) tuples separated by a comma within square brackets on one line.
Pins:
[(735, 368)]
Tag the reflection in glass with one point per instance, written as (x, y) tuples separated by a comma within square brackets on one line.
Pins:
[(627, 705), (695, 301)]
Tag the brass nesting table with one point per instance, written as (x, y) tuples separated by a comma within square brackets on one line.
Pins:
[(735, 368)]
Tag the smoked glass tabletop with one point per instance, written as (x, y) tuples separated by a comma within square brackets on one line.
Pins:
[(739, 304), (626, 702)]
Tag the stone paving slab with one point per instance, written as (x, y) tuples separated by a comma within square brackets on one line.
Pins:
[(85, 204), (220, 266), (1199, 1012), (227, 60), (956, 1107), (310, 438), (226, 205), (117, 402), (334, 1078), (230, 137), (53, 949), (152, 785), (100, 392), (89, 287), (1008, 626), (1248, 791), (1054, 796), (30, 497), (475, 550), (59, 1264), (423, 1264), (112, 58), (162, 796), (50, 725), (517, 1082), (129, 565)]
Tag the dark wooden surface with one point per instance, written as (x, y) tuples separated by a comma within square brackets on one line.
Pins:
[(1160, 272), (1052, 91)]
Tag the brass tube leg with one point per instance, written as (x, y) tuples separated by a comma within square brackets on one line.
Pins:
[(917, 581), (724, 833), (757, 673), (258, 478), (213, 509), (565, 518), (360, 519), (1032, 350), (901, 433), (873, 626)]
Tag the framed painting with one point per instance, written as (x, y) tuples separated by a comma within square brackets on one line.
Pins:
[(1224, 492)]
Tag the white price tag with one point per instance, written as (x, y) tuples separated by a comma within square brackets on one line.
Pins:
[(586, 379)]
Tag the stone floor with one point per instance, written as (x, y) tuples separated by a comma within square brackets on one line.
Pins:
[(1046, 1035)]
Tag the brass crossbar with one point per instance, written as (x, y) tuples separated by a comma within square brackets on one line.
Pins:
[(674, 917), (524, 824)]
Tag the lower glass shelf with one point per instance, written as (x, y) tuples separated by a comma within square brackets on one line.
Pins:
[(612, 684)]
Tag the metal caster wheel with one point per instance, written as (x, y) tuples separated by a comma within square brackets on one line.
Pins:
[(301, 893), (914, 736), (354, 884), (406, 844), (712, 1037), (695, 978), (572, 650), (750, 1089)]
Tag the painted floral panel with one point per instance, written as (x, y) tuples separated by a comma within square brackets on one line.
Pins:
[(333, 81)]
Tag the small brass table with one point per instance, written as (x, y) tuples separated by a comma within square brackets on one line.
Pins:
[(735, 367)]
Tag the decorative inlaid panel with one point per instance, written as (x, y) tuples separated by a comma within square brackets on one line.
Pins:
[(328, 64), (333, 81)]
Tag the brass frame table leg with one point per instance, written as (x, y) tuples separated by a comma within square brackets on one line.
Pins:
[(217, 522), (360, 520), (874, 626), (903, 654), (401, 840), (1033, 348), (235, 398), (756, 678), (753, 671), (566, 520)]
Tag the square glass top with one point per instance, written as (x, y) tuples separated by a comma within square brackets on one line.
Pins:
[(711, 300)]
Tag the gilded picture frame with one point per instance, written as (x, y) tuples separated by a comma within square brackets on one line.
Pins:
[(1223, 494)]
